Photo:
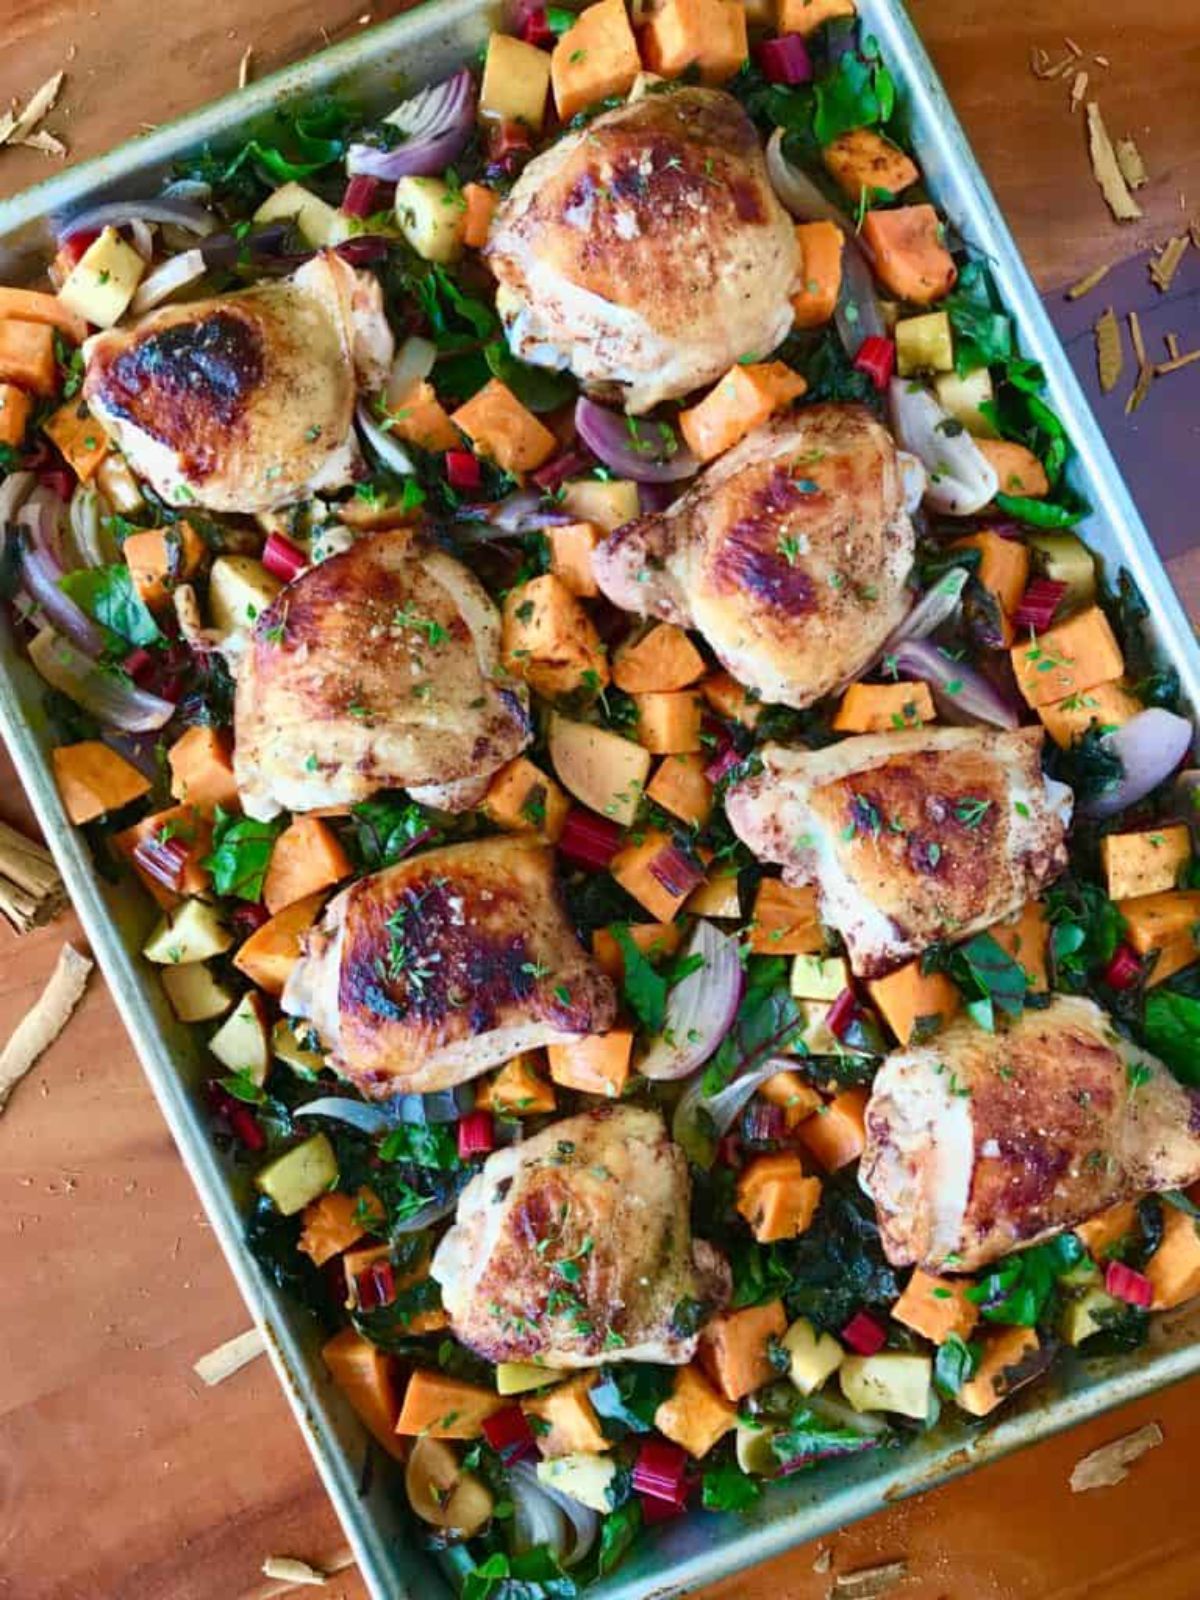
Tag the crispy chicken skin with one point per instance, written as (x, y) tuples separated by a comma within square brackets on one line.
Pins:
[(979, 1142), (376, 669), (430, 972), (245, 402), (575, 1248), (646, 252), (910, 837), (790, 554)]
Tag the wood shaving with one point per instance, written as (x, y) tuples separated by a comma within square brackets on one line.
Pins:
[(229, 1357), (1110, 357), (1194, 233), (1107, 172), (1072, 46), (1042, 67), (1176, 362), (48, 143), (1171, 340), (868, 1582), (1133, 168), (1145, 374), (1135, 334), (824, 1561), (31, 891), (1088, 283), (40, 103), (1079, 85), (1166, 263), (1102, 61), (287, 1569), (244, 66), (42, 1024), (1110, 1464)]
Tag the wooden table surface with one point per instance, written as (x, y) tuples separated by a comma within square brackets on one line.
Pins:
[(121, 1478)]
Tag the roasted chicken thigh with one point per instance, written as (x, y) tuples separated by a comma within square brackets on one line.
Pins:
[(245, 402), (647, 252), (575, 1248), (376, 669), (430, 972), (790, 554), (980, 1142), (910, 837)]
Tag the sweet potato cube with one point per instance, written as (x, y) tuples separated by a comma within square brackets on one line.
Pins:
[(419, 418), (517, 1090), (571, 549), (1164, 922), (160, 559), (733, 1348), (201, 763), (937, 1307), (864, 159), (680, 787), (329, 1226), (795, 1098), (189, 827), (646, 870), (884, 708), (564, 1420), (596, 58), (1068, 659), (523, 798), (806, 16), (837, 1135), (776, 1198), (1026, 938), (1174, 1268), (366, 1376), (1003, 572), (654, 939), (307, 857), (914, 1004), (1108, 706), (694, 1415), (709, 35), (786, 921), (728, 698), (911, 259), (1107, 1228), (669, 724), (598, 1064), (1018, 469), (740, 402), (15, 407), (820, 277), (27, 355), (93, 780), (438, 1407), (270, 953), (1005, 1365), (657, 662), (480, 204), (1145, 863), (81, 440), (503, 430), (548, 639)]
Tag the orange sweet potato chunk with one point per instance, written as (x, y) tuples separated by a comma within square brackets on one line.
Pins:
[(27, 356), (911, 259), (657, 662), (81, 440), (680, 787), (439, 1407), (820, 280), (307, 858), (598, 1064), (201, 763), (864, 159), (1018, 469), (837, 1135), (694, 1415), (93, 780), (366, 1376), (270, 953), (785, 920), (914, 1003), (733, 1348), (740, 402), (501, 428), (1003, 568), (936, 1307), (1068, 659), (708, 35), (159, 559), (596, 58), (15, 407)]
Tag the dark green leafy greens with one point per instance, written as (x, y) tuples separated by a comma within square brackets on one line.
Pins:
[(386, 828), (538, 388), (989, 978), (1171, 1028), (809, 1438), (1018, 1290), (727, 1488), (241, 854), (109, 596), (956, 1363), (1085, 929)]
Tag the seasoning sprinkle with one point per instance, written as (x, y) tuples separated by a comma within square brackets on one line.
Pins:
[(1176, 362), (1133, 168), (1166, 263), (1107, 170), (1110, 357), (1087, 283)]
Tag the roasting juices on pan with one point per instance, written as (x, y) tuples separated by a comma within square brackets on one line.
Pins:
[(567, 598)]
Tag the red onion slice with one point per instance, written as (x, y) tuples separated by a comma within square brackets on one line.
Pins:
[(544, 1516), (390, 451), (520, 512), (175, 273), (414, 361), (702, 1120), (700, 1009), (121, 213), (106, 693), (962, 693), (1150, 746), (40, 575), (647, 452), (437, 124), (937, 605)]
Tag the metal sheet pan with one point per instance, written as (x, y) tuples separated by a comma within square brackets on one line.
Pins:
[(373, 69)]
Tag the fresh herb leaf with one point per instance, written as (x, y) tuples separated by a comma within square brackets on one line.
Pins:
[(110, 597), (727, 1488), (537, 388), (1171, 1028), (430, 1144), (645, 989), (241, 853), (1017, 1290), (859, 93), (1085, 929)]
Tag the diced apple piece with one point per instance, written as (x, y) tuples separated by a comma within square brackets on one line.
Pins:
[(924, 344), (814, 1356), (521, 1377), (195, 995), (443, 1493), (586, 1478), (607, 504), (1087, 1314), (299, 1175), (431, 218), (102, 282), (755, 1449), (243, 1041), (819, 977), (239, 590), (962, 397), (317, 222), (601, 769), (891, 1381), (192, 932), (1064, 558), (516, 77), (290, 1043)]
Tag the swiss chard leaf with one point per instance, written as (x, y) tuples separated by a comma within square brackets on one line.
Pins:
[(768, 1021), (1171, 1028), (628, 1396), (1017, 1290), (989, 978), (983, 334), (956, 1363), (110, 597), (240, 854), (727, 1488), (858, 93), (617, 1533), (422, 1145), (537, 388), (809, 1438), (645, 989), (1085, 929), (386, 828)]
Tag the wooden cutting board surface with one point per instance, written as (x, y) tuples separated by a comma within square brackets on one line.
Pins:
[(121, 1477)]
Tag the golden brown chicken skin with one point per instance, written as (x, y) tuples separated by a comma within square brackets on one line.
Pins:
[(377, 669), (790, 554), (910, 837), (430, 972), (978, 1142), (647, 252), (245, 402), (575, 1248)]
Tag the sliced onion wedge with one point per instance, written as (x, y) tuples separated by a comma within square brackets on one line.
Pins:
[(961, 480), (1150, 746), (962, 693), (647, 452), (700, 1008), (414, 362), (39, 576), (437, 124), (390, 451), (702, 1120), (937, 605), (108, 695), (121, 213), (175, 273), (544, 1516)]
